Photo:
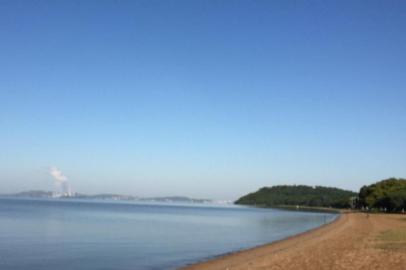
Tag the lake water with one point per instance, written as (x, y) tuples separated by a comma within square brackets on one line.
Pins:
[(69, 234)]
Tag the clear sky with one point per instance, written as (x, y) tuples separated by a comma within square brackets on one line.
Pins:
[(201, 98)]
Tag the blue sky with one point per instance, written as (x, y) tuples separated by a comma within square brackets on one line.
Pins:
[(201, 98)]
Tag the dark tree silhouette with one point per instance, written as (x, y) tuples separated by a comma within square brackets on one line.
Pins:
[(299, 195), (389, 194)]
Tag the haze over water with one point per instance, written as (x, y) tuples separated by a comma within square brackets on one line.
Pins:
[(73, 234)]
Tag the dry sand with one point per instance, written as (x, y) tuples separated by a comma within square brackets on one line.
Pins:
[(353, 241)]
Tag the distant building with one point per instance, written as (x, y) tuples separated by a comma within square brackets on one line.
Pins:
[(62, 189)]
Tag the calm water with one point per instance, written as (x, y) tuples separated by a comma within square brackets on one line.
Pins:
[(60, 234)]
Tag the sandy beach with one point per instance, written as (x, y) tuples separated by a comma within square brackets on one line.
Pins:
[(353, 241)]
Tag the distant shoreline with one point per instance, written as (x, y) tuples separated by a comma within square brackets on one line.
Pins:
[(41, 194), (300, 208), (340, 243)]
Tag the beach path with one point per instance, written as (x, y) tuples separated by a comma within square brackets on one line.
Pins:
[(353, 241)]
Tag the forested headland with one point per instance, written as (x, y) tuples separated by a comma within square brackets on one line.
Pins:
[(388, 195), (299, 196)]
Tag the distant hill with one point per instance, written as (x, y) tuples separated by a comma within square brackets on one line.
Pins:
[(116, 197), (33, 194), (388, 195), (299, 195)]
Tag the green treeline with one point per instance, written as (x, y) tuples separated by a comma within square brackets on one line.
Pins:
[(299, 195), (388, 195)]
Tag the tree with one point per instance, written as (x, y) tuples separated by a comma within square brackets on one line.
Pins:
[(389, 194)]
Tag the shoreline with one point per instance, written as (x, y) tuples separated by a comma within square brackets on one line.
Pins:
[(228, 255), (347, 240), (306, 209)]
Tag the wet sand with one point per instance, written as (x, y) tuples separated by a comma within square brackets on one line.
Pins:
[(353, 241)]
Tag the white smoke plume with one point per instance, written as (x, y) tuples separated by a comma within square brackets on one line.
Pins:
[(57, 174), (62, 187)]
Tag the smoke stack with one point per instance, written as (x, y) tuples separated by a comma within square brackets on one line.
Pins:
[(61, 184)]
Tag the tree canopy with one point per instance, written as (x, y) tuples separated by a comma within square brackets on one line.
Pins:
[(299, 195), (389, 194)]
